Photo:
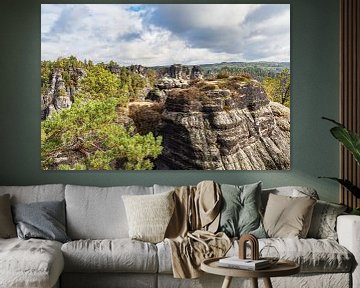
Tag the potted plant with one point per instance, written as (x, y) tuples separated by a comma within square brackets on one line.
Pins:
[(351, 141)]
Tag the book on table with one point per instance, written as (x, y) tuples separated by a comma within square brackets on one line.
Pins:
[(236, 262)]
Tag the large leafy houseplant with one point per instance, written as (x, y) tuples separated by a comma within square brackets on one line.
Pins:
[(351, 141)]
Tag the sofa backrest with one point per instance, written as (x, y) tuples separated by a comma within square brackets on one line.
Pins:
[(98, 212), (36, 193)]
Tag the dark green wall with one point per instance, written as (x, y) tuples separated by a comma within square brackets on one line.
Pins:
[(314, 64)]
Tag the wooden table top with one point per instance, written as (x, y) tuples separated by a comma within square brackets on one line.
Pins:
[(281, 268)]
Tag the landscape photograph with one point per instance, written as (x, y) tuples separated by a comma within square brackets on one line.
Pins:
[(165, 87)]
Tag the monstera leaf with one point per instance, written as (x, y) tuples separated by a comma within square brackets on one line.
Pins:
[(351, 141), (347, 184), (348, 138)]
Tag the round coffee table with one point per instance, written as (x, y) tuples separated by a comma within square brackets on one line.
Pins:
[(281, 268)]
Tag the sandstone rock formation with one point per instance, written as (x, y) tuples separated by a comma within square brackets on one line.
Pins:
[(196, 73), (139, 69), (231, 128), (59, 95), (156, 95), (178, 71), (170, 83)]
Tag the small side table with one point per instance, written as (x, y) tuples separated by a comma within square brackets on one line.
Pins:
[(281, 268)]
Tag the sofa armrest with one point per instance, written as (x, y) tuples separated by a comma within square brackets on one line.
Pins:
[(348, 230)]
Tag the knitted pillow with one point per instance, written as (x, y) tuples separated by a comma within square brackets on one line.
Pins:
[(149, 215)]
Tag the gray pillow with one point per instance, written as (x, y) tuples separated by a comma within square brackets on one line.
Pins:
[(7, 227), (240, 213), (323, 222), (44, 220)]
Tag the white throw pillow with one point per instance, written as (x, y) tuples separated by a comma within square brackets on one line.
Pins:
[(149, 215)]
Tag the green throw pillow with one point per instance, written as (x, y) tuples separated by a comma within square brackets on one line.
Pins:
[(240, 213)]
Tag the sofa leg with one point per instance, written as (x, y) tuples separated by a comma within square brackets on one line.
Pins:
[(254, 282)]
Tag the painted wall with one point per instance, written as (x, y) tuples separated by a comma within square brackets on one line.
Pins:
[(314, 64)]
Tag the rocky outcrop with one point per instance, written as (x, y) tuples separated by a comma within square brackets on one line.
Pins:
[(232, 128), (146, 116), (171, 83), (178, 71), (196, 73), (156, 95), (60, 95), (139, 69)]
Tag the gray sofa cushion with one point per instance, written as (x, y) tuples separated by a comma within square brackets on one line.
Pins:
[(117, 255), (98, 213), (313, 255), (30, 263), (36, 193), (323, 255)]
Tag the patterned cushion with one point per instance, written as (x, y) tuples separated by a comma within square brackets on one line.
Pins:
[(323, 223)]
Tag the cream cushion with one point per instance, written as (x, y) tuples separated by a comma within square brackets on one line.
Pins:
[(149, 215), (287, 217)]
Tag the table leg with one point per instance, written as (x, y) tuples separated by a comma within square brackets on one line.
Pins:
[(254, 282), (227, 282), (267, 283)]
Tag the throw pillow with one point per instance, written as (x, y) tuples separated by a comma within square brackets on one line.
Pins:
[(323, 222), (149, 215), (288, 217), (43, 220), (240, 213), (7, 227)]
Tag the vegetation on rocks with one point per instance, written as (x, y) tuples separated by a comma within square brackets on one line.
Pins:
[(106, 116)]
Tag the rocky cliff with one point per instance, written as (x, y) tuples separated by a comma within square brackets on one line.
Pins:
[(224, 125), (60, 94)]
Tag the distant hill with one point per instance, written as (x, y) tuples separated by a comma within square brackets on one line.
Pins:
[(258, 70)]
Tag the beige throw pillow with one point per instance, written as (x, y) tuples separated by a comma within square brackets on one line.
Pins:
[(7, 226), (148, 215), (288, 217)]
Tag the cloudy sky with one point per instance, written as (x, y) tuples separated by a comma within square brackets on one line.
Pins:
[(166, 34)]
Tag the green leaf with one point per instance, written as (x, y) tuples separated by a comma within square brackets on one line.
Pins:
[(349, 139), (347, 184)]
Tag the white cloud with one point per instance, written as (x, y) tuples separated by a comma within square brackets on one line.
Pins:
[(166, 34)]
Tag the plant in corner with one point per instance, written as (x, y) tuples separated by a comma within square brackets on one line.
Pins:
[(351, 141)]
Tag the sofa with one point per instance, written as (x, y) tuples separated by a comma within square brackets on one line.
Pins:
[(100, 253)]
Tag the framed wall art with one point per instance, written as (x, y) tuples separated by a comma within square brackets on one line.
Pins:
[(165, 87)]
